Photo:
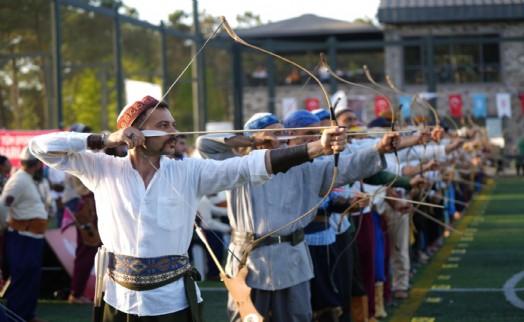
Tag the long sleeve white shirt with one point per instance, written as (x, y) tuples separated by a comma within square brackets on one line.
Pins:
[(151, 221)]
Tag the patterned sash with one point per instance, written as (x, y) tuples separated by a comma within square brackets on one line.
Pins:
[(141, 274)]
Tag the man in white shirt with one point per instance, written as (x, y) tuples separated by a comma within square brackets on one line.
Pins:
[(147, 203), (24, 243)]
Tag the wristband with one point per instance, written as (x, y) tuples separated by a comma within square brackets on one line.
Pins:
[(283, 159), (96, 141)]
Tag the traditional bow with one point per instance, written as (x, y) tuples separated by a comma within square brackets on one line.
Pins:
[(257, 241)]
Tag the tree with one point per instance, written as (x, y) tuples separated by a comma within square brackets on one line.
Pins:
[(248, 20)]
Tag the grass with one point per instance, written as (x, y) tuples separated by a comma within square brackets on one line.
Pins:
[(495, 220)]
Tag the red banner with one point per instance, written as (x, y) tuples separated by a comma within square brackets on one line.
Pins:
[(455, 105), (312, 103), (13, 142), (381, 105), (522, 102)]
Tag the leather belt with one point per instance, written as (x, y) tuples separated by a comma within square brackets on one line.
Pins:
[(321, 219), (242, 238), (35, 225)]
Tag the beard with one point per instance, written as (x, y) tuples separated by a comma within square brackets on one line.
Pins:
[(165, 150), (39, 175)]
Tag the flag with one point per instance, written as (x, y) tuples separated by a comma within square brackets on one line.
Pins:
[(405, 101), (381, 105), (503, 104), (479, 105), (68, 219), (522, 102), (312, 103), (455, 105)]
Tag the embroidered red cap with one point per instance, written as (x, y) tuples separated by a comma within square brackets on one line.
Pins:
[(129, 113)]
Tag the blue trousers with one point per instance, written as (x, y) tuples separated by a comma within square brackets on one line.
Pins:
[(24, 257)]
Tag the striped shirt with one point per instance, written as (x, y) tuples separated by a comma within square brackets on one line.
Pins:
[(263, 208)]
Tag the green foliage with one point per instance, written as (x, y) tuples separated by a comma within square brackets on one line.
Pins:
[(82, 97), (88, 60), (248, 20)]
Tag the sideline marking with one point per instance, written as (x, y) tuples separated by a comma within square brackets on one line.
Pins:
[(510, 292), (476, 290), (446, 266), (433, 300), (440, 287)]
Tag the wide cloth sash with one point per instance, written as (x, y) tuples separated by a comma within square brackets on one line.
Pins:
[(141, 274)]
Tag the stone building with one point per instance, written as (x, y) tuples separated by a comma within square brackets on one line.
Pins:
[(438, 48), (459, 47)]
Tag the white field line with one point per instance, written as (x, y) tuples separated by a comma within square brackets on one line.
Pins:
[(511, 293), (509, 290)]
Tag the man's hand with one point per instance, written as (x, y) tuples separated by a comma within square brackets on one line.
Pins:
[(333, 140), (361, 199), (457, 143), (424, 137), (264, 142), (241, 294), (389, 142), (419, 183), (430, 166), (129, 136), (437, 133)]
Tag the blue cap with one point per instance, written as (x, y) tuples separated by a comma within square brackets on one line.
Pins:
[(260, 121), (321, 113), (379, 122), (300, 118)]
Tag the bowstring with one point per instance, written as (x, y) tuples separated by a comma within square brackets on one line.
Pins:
[(183, 72), (192, 209)]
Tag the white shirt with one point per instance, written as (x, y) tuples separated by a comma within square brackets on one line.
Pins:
[(26, 201), (56, 177), (146, 222)]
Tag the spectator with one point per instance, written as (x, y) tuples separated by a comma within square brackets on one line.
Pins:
[(27, 222), (180, 147), (5, 170)]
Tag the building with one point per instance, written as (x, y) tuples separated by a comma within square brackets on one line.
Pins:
[(460, 53)]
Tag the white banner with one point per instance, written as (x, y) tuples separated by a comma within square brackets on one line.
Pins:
[(136, 90), (427, 95), (289, 104), (504, 104)]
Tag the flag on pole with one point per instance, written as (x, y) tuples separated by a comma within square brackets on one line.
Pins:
[(504, 104), (455, 105), (381, 105), (406, 106), (479, 105), (522, 102)]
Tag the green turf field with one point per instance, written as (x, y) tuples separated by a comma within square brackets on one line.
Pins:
[(469, 279)]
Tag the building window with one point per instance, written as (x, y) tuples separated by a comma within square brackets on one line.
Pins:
[(457, 60)]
